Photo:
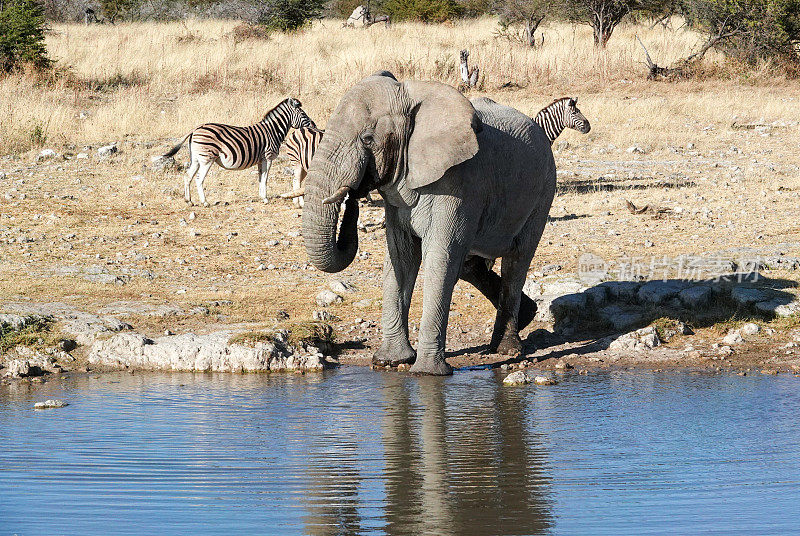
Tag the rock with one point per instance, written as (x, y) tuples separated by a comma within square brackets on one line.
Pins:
[(50, 404), (327, 298), (748, 295), (733, 337), (83, 327), (749, 329), (341, 287), (323, 316), (201, 353), (550, 268), (366, 302), (770, 371), (19, 368), (623, 318), (622, 290), (596, 296), (560, 287), (563, 365), (544, 380), (568, 305), (82, 156), (781, 307), (696, 297), (46, 154), (658, 292), (639, 340), (518, 377), (67, 345), (107, 150), (634, 149), (160, 163)]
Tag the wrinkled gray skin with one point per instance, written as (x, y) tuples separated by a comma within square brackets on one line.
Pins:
[(462, 182)]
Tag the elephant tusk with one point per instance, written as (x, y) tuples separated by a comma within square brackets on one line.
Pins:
[(338, 197)]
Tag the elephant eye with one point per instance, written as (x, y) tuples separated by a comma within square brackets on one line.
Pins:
[(367, 138)]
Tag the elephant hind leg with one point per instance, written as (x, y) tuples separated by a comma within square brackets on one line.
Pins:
[(505, 337), (479, 274)]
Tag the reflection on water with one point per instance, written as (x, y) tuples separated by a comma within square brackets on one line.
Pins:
[(360, 452)]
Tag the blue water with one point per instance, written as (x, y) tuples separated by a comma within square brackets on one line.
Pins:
[(354, 451)]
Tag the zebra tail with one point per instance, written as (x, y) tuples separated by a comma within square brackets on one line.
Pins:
[(172, 152)]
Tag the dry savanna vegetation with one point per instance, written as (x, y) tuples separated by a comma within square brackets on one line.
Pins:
[(714, 158)]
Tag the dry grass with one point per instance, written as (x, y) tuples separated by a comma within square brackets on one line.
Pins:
[(149, 81)]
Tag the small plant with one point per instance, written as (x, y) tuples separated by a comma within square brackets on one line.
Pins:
[(34, 332), (317, 334), (289, 15), (38, 136), (22, 28)]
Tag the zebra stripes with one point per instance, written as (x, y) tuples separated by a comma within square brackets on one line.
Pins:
[(239, 148), (560, 114), (300, 148)]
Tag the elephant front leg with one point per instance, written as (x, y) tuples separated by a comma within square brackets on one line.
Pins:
[(403, 259), (444, 256)]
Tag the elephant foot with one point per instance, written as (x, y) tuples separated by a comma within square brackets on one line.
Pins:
[(527, 312), (510, 345), (392, 356), (433, 367)]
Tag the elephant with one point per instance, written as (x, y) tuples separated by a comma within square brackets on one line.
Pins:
[(463, 183)]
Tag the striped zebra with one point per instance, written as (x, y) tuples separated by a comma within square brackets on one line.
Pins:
[(300, 148), (240, 147), (560, 114)]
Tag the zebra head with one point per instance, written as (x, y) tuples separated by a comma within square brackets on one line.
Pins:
[(573, 118), (299, 118)]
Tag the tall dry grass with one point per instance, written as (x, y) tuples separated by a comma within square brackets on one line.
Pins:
[(151, 81)]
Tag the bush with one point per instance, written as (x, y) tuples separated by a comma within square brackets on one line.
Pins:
[(422, 10), (289, 15), (22, 29)]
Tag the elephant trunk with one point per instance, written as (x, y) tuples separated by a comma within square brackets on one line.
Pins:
[(331, 246)]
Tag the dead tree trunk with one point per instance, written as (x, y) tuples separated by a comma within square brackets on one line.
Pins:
[(469, 77)]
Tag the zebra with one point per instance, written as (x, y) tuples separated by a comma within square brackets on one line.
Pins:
[(560, 114), (239, 148), (300, 148)]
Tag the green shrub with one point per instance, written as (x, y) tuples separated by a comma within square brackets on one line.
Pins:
[(422, 10), (22, 29), (289, 15)]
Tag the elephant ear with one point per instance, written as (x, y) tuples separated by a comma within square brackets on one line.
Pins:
[(444, 131)]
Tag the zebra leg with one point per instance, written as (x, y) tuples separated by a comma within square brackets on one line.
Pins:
[(297, 182), (264, 166), (187, 180), (201, 177)]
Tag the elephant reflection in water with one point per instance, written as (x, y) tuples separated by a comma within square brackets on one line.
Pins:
[(467, 469), (461, 470)]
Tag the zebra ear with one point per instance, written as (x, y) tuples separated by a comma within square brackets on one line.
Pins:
[(294, 103), (573, 101)]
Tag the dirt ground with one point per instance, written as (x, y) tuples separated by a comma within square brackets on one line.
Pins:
[(110, 234)]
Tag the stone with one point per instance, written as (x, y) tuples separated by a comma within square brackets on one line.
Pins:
[(341, 287), (81, 326), (748, 295), (327, 298), (161, 163), (596, 296), (749, 329), (658, 292), (201, 353), (696, 297), (323, 316), (781, 307), (622, 318), (634, 149), (107, 150), (550, 268), (46, 154), (560, 287), (518, 377), (639, 340), (82, 156), (622, 290), (733, 337), (47, 404), (568, 305), (544, 380)]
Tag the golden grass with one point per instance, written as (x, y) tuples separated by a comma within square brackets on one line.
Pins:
[(150, 81)]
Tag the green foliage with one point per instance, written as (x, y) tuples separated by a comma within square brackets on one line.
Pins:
[(422, 10), (748, 30), (602, 15), (22, 29), (38, 136), (36, 332), (289, 15)]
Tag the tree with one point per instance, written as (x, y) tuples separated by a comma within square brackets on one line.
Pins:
[(289, 15), (423, 10), (602, 15), (117, 9), (748, 30), (22, 28), (528, 13)]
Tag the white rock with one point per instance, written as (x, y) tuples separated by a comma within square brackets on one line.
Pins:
[(50, 404), (82, 156), (749, 329), (327, 298), (733, 337), (518, 377), (544, 380), (46, 154), (107, 150), (341, 287)]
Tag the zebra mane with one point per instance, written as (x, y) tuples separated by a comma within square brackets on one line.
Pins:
[(284, 101)]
